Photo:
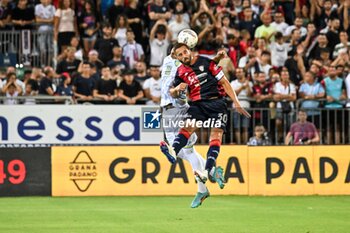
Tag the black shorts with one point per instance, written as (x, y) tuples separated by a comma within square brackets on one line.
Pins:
[(213, 112)]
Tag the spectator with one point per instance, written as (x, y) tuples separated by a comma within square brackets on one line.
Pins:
[(89, 25), (265, 63), (141, 72), (11, 92), (158, 11), (323, 13), (311, 91), (203, 18), (298, 24), (134, 16), (65, 24), (248, 22), (83, 84), (243, 88), (65, 88), (11, 89), (335, 94), (44, 15), (279, 23), (262, 93), (343, 45), (132, 51), (29, 93), (151, 87), (249, 62), (129, 89), (70, 64), (11, 76), (177, 25), (265, 30), (180, 7), (117, 63), (315, 49), (295, 65), (23, 16), (160, 38), (94, 61), (260, 137), (279, 51), (46, 86), (333, 34), (115, 10), (106, 88), (75, 43), (104, 45), (5, 15), (347, 85), (284, 94), (120, 29), (302, 132)]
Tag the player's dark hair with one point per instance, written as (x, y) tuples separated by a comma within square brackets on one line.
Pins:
[(179, 45)]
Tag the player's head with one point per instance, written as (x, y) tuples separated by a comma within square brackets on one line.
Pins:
[(183, 53)]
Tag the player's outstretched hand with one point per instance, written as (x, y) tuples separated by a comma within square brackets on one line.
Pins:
[(182, 87), (242, 111)]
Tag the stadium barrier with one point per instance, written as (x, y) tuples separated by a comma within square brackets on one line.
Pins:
[(134, 124), (143, 171), (25, 172)]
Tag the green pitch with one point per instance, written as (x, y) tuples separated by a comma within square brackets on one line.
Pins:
[(218, 214)]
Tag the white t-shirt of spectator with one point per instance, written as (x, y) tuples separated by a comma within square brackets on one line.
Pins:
[(158, 51), (303, 31), (266, 69), (279, 53), (154, 88), (132, 53), (18, 82), (279, 88), (280, 27), (235, 84), (243, 62), (45, 12), (66, 20), (120, 35), (10, 100), (347, 85), (176, 28)]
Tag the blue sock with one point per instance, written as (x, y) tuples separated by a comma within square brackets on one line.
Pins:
[(212, 154), (180, 141)]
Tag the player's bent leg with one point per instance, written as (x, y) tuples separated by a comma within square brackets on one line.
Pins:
[(168, 151)]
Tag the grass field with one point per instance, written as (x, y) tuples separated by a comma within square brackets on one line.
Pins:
[(172, 214)]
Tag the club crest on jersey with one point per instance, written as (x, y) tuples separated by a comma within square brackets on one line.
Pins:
[(201, 68)]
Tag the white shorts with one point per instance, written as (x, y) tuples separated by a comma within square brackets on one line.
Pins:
[(170, 119)]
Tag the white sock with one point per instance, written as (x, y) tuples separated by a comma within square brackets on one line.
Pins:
[(197, 162)]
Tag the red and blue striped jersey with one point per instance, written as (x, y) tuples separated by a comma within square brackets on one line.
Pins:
[(202, 79)]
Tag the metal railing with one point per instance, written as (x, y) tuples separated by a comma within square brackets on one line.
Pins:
[(38, 99), (28, 47)]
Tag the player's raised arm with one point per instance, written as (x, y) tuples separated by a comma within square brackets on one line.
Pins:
[(232, 94)]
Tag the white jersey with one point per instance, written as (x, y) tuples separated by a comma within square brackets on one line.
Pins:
[(169, 70)]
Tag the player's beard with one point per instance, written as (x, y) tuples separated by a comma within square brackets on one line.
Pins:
[(187, 61)]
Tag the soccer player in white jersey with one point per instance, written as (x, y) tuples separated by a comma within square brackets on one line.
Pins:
[(174, 110)]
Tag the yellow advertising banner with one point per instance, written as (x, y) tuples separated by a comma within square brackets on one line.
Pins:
[(281, 170), (332, 168), (138, 170)]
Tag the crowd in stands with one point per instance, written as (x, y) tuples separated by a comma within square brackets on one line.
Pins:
[(278, 51)]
